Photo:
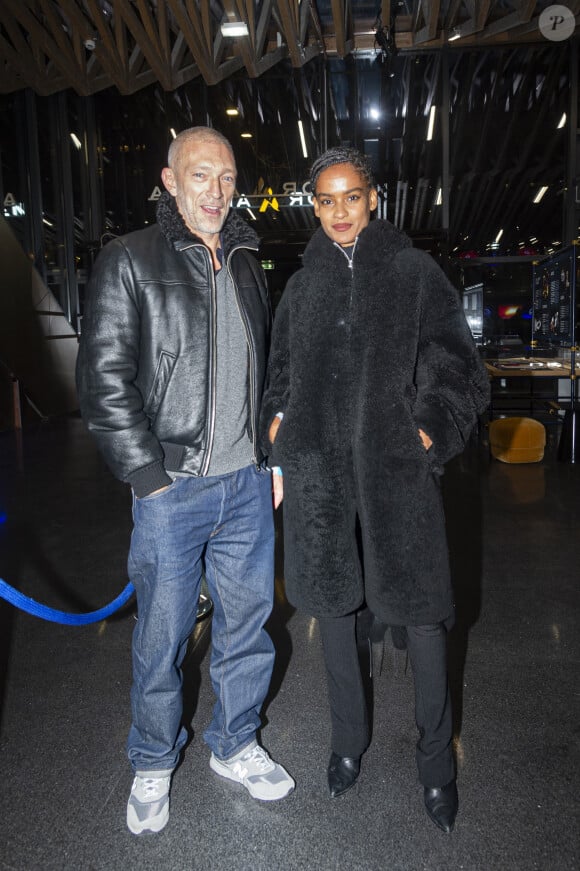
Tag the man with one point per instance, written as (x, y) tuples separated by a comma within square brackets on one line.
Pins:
[(374, 383), (170, 374)]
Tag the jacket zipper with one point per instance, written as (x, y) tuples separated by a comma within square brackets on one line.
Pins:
[(211, 427), (350, 296), (341, 249), (351, 267), (209, 447), (252, 367)]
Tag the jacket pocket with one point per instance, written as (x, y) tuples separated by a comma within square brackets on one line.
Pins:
[(163, 373), (410, 440)]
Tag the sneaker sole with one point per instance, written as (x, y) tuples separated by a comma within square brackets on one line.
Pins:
[(139, 827), (225, 772)]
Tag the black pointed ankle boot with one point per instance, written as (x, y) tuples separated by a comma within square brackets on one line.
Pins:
[(442, 804), (343, 772)]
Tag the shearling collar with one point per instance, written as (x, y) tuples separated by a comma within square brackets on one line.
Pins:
[(235, 230), (377, 241)]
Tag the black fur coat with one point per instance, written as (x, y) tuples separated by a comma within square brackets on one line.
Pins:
[(362, 358)]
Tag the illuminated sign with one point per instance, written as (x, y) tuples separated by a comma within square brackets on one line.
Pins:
[(13, 209), (291, 196)]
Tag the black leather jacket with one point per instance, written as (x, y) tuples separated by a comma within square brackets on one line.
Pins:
[(146, 363)]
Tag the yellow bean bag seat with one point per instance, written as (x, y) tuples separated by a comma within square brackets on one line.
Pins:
[(517, 439)]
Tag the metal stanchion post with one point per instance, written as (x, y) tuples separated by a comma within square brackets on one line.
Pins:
[(17, 421), (16, 407), (205, 603), (569, 445)]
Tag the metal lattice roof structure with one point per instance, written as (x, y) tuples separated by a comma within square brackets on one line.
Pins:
[(361, 72)]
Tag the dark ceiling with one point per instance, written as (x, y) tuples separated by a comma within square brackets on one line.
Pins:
[(358, 72)]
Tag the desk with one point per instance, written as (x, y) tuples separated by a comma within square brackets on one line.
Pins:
[(527, 393)]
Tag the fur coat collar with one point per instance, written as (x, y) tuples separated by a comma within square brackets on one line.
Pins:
[(235, 231), (378, 241)]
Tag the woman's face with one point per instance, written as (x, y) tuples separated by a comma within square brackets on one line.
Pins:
[(343, 201)]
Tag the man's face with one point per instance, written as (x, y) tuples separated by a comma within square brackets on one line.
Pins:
[(343, 201), (203, 181)]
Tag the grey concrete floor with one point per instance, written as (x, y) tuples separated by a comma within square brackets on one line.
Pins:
[(515, 549)]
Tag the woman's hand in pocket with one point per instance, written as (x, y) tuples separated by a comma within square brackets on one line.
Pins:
[(427, 443)]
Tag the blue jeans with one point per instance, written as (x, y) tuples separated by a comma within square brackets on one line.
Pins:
[(225, 522)]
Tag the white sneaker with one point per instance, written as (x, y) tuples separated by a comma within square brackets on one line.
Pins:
[(264, 779), (148, 805)]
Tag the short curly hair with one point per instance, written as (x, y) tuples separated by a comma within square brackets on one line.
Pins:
[(341, 154)]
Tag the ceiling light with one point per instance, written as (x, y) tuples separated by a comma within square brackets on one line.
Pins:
[(374, 113), (246, 135), (173, 133), (439, 197), (455, 34), (76, 141), (562, 122), (540, 194), (232, 112), (302, 139), (431, 123), (234, 28), (498, 237)]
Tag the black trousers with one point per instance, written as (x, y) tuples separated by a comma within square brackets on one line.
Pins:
[(427, 647)]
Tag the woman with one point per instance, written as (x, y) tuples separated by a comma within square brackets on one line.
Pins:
[(374, 383)]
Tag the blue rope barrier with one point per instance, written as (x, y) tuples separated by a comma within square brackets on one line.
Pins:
[(31, 606)]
